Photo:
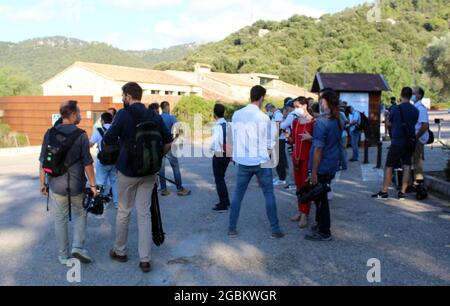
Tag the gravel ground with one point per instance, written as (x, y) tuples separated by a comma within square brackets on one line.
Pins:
[(411, 239)]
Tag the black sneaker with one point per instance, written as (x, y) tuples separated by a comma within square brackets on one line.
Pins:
[(401, 196), (381, 195), (220, 208), (277, 235), (316, 236), (145, 267)]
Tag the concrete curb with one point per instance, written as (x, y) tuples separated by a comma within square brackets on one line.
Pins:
[(437, 185), (9, 152)]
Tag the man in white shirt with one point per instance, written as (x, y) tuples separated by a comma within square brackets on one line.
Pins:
[(105, 173), (252, 143), (222, 156), (355, 133), (422, 134)]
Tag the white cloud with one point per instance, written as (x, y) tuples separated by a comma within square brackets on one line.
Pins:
[(45, 10), (206, 20), (141, 4), (3, 8)]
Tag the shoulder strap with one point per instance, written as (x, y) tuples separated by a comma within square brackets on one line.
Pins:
[(224, 129), (101, 131), (73, 138)]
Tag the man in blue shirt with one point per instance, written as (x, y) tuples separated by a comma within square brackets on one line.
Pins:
[(355, 133), (169, 121), (105, 173), (132, 190), (403, 119)]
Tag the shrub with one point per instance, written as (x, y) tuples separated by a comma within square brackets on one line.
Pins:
[(189, 106)]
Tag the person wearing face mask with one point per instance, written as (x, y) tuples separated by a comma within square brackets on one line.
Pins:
[(301, 138), (67, 184), (324, 158), (422, 134)]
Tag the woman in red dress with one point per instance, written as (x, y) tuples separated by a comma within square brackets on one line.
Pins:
[(301, 137)]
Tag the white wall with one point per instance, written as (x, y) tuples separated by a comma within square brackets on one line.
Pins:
[(85, 82)]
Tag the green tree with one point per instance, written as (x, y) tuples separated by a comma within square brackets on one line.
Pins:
[(436, 63), (13, 82)]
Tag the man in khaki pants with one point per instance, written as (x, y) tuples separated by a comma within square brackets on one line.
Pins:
[(133, 190)]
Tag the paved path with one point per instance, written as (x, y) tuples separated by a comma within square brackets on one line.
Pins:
[(411, 239)]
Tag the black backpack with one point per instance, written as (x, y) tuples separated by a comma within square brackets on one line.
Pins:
[(109, 154), (56, 152), (145, 149), (364, 125), (55, 157)]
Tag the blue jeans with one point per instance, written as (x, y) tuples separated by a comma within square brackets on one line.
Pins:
[(356, 136), (176, 171), (105, 174), (244, 176)]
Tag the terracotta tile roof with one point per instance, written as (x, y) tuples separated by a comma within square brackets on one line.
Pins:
[(129, 74), (293, 90), (233, 79)]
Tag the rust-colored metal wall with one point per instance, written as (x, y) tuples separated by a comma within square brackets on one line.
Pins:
[(33, 115)]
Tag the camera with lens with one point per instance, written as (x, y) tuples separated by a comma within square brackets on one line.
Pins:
[(95, 205), (311, 193)]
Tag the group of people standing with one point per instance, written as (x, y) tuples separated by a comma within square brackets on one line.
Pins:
[(313, 134), (408, 125), (313, 131), (66, 166)]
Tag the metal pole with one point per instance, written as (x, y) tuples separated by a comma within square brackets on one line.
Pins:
[(379, 154), (439, 131), (366, 150)]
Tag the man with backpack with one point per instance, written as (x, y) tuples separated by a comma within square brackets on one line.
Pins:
[(403, 119), (144, 140), (107, 158), (66, 160)]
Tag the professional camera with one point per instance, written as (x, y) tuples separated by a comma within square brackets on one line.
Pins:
[(95, 205), (421, 192), (311, 193)]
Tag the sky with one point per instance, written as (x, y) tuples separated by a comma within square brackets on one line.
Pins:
[(146, 24)]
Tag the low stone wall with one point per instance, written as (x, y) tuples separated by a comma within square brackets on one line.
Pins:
[(437, 185)]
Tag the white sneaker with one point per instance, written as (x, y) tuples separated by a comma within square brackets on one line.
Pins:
[(280, 183), (100, 217), (63, 260), (275, 180), (82, 255)]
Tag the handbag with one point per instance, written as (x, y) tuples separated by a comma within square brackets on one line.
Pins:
[(430, 137)]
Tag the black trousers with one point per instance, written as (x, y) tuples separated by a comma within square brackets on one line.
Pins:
[(323, 218), (220, 166), (283, 163)]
